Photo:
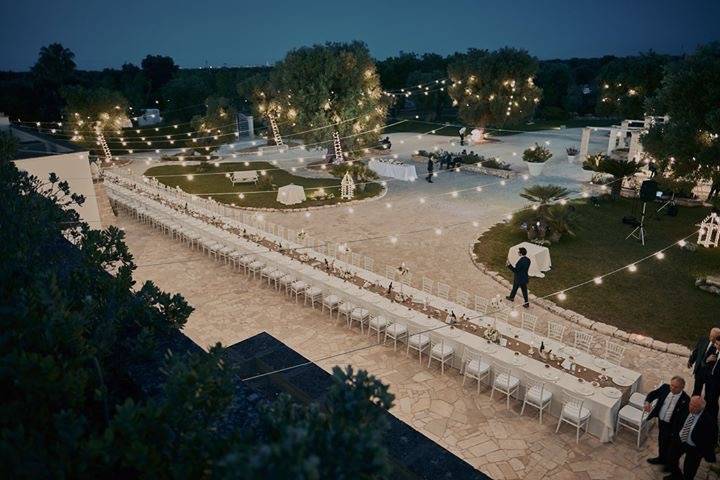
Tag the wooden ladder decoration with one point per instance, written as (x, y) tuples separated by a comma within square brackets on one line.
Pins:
[(275, 131), (339, 157), (103, 145)]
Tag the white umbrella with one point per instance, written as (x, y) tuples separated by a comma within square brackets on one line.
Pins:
[(291, 194)]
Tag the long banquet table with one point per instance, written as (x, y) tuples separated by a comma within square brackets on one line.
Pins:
[(602, 406)]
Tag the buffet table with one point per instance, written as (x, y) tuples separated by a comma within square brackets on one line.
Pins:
[(392, 169)]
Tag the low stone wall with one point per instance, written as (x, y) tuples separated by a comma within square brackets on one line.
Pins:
[(382, 193), (494, 172), (602, 328)]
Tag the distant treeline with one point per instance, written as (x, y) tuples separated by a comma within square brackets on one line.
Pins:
[(570, 87)]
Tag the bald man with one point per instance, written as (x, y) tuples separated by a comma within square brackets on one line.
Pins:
[(697, 439), (703, 358)]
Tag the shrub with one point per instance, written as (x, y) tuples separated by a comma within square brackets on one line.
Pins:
[(265, 183), (495, 163), (537, 154), (681, 187)]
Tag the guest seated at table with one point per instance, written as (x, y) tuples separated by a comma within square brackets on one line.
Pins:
[(670, 410)]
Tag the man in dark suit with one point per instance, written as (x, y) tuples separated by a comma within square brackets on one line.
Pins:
[(698, 437), (702, 359), (670, 409), (430, 168), (521, 277), (712, 383)]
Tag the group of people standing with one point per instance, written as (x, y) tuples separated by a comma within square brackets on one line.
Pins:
[(688, 425)]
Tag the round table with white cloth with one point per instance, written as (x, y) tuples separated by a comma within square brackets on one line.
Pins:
[(401, 171), (291, 194), (539, 258)]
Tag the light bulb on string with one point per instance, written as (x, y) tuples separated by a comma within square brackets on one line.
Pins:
[(597, 280), (562, 296), (660, 255), (632, 268)]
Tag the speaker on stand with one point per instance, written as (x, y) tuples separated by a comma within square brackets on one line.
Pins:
[(648, 191)]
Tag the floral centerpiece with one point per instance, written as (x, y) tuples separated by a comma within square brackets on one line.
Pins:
[(492, 334)]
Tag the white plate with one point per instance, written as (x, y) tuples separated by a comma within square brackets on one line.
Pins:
[(489, 348), (584, 389), (519, 360), (550, 375), (569, 352), (622, 381), (602, 363), (611, 392)]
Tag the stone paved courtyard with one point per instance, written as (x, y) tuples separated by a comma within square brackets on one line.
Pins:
[(230, 307)]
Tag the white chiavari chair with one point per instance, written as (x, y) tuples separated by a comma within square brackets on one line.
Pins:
[(443, 290), (441, 351), (417, 340), (396, 331), (473, 367), (614, 352), (462, 298), (481, 304), (556, 331), (369, 264), (536, 395), (529, 322), (583, 341), (504, 382), (574, 413)]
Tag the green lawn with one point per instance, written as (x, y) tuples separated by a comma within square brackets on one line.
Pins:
[(659, 300), (215, 185)]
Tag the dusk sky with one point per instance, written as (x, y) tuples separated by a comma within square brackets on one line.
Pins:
[(217, 32)]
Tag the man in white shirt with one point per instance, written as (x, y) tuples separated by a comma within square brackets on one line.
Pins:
[(670, 408)]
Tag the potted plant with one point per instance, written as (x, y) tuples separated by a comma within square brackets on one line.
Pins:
[(571, 153), (535, 158)]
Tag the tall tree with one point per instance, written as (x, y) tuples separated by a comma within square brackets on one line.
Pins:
[(626, 83), (54, 69), (494, 88), (334, 85), (8, 147), (186, 93), (555, 80), (219, 119), (159, 70), (91, 108), (690, 95), (429, 100)]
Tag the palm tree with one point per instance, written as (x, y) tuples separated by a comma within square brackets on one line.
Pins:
[(549, 219), (545, 194), (619, 169), (55, 65)]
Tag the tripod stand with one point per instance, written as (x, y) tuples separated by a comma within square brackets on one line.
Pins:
[(639, 231)]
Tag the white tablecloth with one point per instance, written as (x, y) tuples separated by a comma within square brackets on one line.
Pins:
[(603, 408), (291, 194), (400, 171), (539, 258)]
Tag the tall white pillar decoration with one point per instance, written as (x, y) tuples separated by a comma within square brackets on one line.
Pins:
[(709, 233), (635, 150), (584, 143), (275, 131), (338, 147), (107, 155), (347, 187)]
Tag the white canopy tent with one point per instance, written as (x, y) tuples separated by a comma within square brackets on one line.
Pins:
[(291, 194)]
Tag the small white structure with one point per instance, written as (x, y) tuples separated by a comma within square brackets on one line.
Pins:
[(624, 136), (245, 176), (709, 234), (347, 187), (291, 194), (477, 136), (73, 168), (150, 116)]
